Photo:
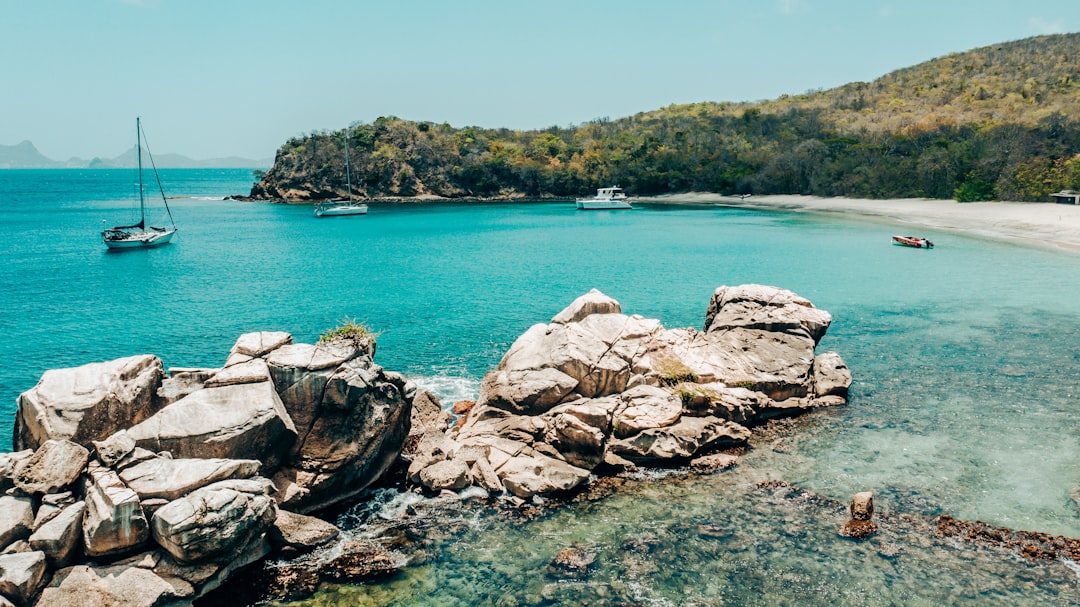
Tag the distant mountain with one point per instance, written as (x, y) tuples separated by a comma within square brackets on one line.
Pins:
[(25, 156)]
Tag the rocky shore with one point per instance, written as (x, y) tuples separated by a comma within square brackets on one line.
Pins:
[(130, 486)]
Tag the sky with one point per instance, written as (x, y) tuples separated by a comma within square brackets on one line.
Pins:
[(217, 78)]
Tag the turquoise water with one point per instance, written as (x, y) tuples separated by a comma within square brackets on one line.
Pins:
[(966, 358)]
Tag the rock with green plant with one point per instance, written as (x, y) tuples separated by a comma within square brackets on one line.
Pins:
[(596, 386)]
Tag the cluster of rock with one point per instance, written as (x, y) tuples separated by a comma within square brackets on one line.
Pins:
[(596, 388), (133, 487), (129, 487)]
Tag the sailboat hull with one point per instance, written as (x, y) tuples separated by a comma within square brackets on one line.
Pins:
[(343, 209), (140, 240)]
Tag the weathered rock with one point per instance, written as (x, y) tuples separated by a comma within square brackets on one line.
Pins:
[(525, 391), (112, 587), (766, 308), (529, 475), (16, 519), (21, 575), (450, 474), (484, 476), (250, 372), (427, 417), (51, 506), (260, 343), (579, 443), (173, 478), (360, 561), (181, 382), (713, 462), (53, 466), (352, 421), (593, 302), (778, 364), (646, 407), (860, 524), (245, 421), (115, 448), (60, 536), (574, 562), (298, 534), (213, 521), (831, 375), (114, 522), (8, 461), (88, 403), (683, 440)]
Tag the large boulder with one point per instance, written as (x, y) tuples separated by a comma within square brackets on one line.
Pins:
[(765, 308), (680, 441), (88, 403), (21, 575), (55, 465), (89, 586), (16, 519), (529, 475), (114, 522), (352, 418), (59, 537), (831, 375), (215, 521), (238, 421), (169, 479), (297, 533)]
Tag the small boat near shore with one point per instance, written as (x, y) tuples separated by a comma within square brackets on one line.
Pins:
[(917, 242), (139, 235), (606, 198), (335, 208)]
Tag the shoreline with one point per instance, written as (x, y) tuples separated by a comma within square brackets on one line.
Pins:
[(1045, 224)]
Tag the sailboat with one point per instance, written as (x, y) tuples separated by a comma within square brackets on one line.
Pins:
[(140, 235), (333, 208)]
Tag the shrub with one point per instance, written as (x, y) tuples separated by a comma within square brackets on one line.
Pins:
[(351, 331)]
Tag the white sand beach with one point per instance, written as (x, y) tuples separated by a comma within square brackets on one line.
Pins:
[(1039, 223)]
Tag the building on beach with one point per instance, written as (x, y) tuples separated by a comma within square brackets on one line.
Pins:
[(1066, 197)]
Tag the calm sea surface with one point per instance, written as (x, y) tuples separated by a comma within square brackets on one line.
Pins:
[(966, 361)]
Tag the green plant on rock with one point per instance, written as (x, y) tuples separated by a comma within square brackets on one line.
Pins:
[(356, 333), (673, 371)]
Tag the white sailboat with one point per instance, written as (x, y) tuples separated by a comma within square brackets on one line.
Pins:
[(334, 208), (140, 235), (606, 198)]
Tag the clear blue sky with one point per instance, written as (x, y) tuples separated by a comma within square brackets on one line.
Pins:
[(214, 78)]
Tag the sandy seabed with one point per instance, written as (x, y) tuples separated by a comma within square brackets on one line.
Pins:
[(1039, 223)]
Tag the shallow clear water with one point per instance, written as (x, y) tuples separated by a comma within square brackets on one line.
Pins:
[(966, 358)]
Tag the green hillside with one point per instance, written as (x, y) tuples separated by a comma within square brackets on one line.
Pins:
[(994, 123)]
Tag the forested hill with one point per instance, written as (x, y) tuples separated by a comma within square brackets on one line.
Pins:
[(1000, 122)]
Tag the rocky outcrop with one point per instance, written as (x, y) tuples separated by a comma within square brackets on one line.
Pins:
[(88, 403), (861, 523), (596, 387), (175, 472)]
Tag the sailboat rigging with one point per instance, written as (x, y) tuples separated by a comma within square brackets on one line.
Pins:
[(334, 208), (139, 235)]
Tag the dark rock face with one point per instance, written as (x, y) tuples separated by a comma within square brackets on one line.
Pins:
[(1029, 544)]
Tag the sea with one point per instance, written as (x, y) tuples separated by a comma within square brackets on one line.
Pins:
[(965, 401)]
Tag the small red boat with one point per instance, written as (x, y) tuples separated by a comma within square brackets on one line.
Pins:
[(913, 241)]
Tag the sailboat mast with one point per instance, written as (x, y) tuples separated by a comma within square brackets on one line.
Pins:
[(348, 169), (138, 154)]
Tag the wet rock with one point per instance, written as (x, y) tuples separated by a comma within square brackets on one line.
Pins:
[(88, 403), (22, 575), (53, 466), (1029, 544), (860, 525), (713, 463), (296, 534), (360, 561), (451, 474), (831, 375), (16, 519), (573, 562), (889, 551)]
